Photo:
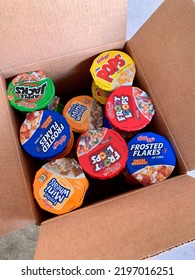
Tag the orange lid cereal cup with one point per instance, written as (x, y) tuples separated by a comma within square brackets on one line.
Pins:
[(113, 69), (60, 186), (83, 113)]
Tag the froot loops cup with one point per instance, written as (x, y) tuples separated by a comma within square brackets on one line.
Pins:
[(128, 110), (102, 153)]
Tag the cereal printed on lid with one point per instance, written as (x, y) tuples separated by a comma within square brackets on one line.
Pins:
[(30, 91), (129, 109), (83, 113), (44, 134), (60, 186), (102, 153)]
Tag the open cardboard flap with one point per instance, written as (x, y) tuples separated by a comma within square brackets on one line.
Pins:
[(163, 50), (144, 222), (35, 32), (132, 226), (58, 39)]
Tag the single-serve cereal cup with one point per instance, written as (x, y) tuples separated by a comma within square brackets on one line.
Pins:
[(44, 134), (112, 69), (30, 91), (60, 186), (102, 153), (151, 158), (83, 113), (128, 110)]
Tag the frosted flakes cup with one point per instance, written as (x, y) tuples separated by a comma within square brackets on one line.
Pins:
[(151, 158), (83, 113), (60, 186), (44, 134), (31, 91), (112, 69), (102, 153)]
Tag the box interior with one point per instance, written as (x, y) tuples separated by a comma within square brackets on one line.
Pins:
[(99, 190)]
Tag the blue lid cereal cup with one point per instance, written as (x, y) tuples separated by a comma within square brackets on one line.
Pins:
[(44, 134), (151, 158)]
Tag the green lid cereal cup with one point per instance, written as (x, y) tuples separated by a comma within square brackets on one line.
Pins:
[(112, 69), (83, 113), (129, 109), (102, 153), (60, 186), (31, 91)]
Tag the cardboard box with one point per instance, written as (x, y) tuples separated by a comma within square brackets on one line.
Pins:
[(60, 40)]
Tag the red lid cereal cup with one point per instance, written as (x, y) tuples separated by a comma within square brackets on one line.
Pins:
[(83, 113), (151, 158), (44, 134), (31, 91), (102, 153), (129, 109), (112, 69), (99, 94), (60, 186)]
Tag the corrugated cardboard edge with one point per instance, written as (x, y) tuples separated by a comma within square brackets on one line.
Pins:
[(30, 213), (133, 236)]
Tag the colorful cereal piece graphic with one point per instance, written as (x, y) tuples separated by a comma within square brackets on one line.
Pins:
[(102, 153), (60, 186), (113, 69), (31, 91), (83, 113), (151, 158), (44, 134)]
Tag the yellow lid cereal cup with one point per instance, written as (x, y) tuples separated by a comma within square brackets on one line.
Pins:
[(83, 113), (60, 186), (99, 94), (113, 69)]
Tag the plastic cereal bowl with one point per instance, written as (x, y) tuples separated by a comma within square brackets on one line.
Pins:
[(60, 186), (129, 109), (83, 113), (151, 158), (112, 69), (102, 153), (44, 134), (31, 91)]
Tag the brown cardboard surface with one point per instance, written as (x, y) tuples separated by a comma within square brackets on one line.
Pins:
[(164, 50), (34, 31), (132, 226), (17, 206)]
